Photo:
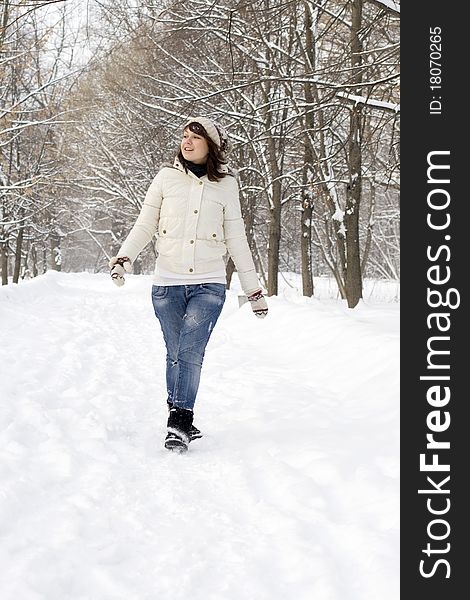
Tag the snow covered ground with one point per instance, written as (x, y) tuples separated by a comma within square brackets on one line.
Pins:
[(292, 493)]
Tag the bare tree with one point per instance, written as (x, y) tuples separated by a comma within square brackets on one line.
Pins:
[(308, 92), (32, 93)]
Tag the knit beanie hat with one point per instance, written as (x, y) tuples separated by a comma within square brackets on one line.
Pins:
[(214, 130)]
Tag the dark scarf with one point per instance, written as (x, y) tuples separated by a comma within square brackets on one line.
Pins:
[(198, 170)]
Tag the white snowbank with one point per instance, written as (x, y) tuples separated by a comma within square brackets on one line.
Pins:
[(292, 492)]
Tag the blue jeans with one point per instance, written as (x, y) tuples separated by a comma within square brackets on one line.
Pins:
[(187, 315)]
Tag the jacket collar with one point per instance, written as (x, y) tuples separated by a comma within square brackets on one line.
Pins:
[(177, 164)]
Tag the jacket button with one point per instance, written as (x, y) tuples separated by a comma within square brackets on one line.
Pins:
[(214, 235), (195, 211), (191, 241), (200, 183), (190, 270), (164, 231)]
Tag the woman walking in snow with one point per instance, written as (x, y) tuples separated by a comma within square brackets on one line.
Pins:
[(194, 205)]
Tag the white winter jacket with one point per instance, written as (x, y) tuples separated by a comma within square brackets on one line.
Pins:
[(197, 222)]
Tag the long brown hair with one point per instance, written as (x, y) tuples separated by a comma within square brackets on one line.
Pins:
[(215, 158)]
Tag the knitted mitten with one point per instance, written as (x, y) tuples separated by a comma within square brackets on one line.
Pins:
[(119, 265), (258, 304)]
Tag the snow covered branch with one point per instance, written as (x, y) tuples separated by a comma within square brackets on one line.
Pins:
[(367, 101)]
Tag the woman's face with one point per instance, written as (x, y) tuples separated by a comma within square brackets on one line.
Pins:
[(194, 147)]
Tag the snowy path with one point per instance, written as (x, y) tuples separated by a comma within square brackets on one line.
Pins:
[(293, 491)]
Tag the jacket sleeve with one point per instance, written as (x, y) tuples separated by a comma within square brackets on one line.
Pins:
[(237, 244), (147, 222)]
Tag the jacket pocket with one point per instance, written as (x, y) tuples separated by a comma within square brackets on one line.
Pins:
[(210, 230), (171, 227), (169, 247), (208, 251)]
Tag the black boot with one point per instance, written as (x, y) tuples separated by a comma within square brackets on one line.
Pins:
[(179, 425), (194, 432)]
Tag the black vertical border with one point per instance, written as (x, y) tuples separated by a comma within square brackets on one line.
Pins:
[(422, 133)]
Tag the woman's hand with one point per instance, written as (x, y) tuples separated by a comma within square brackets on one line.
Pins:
[(119, 265), (258, 304)]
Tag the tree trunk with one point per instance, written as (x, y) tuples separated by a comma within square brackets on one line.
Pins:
[(44, 259), (307, 195), (274, 239), (306, 244), (353, 281), (259, 264), (4, 262), (4, 22), (34, 258), (274, 235), (18, 249), (370, 229), (229, 271), (273, 173)]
